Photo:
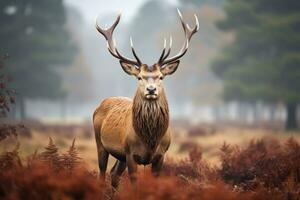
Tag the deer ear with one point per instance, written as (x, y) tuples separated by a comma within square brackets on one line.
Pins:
[(129, 68), (170, 68)]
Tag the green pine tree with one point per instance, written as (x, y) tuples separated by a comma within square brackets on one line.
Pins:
[(264, 61), (33, 33)]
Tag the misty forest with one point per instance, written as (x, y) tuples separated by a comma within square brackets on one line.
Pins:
[(233, 104)]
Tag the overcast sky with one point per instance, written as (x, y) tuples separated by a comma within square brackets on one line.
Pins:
[(92, 8)]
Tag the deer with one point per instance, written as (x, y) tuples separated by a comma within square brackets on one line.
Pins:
[(137, 132)]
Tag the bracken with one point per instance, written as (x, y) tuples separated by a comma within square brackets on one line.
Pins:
[(265, 169)]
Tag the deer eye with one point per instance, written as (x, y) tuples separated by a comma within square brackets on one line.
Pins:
[(161, 78), (139, 78)]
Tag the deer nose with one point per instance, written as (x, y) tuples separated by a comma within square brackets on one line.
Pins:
[(151, 89)]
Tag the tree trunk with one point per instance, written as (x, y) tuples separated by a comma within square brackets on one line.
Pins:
[(272, 110), (242, 112), (22, 108), (256, 112), (216, 113), (12, 114), (63, 109), (291, 120)]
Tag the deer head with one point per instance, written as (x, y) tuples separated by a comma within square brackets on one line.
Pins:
[(149, 76)]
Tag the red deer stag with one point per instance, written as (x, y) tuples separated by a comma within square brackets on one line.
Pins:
[(137, 132)]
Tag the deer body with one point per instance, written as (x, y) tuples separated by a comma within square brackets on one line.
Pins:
[(137, 131), (116, 116)]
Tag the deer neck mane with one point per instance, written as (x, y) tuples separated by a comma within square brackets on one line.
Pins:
[(150, 118)]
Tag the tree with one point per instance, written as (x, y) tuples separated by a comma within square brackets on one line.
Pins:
[(34, 35), (199, 3), (7, 95), (263, 62)]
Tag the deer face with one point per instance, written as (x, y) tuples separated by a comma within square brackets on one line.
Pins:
[(150, 82), (149, 77)]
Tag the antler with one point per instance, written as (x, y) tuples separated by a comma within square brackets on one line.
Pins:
[(111, 43), (188, 35)]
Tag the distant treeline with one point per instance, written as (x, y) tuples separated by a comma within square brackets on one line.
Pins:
[(34, 34), (262, 64)]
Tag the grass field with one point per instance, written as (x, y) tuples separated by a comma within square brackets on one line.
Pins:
[(207, 137), (205, 161)]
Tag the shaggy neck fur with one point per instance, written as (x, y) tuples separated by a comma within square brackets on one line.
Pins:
[(150, 119)]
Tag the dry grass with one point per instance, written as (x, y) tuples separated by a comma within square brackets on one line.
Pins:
[(262, 169), (210, 139), (211, 142)]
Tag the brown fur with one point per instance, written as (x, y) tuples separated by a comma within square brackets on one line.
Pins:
[(137, 132), (150, 119), (112, 118), (134, 132)]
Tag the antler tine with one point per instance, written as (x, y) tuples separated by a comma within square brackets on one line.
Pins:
[(163, 55), (181, 19), (197, 23), (134, 53), (107, 33), (169, 50), (163, 52), (111, 44), (188, 35)]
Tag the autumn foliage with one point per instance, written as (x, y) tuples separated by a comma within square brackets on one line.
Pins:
[(265, 169)]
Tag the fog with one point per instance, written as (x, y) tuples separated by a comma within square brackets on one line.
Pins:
[(196, 92), (102, 8), (106, 76)]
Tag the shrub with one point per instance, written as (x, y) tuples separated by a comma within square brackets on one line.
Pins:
[(261, 170), (48, 175), (263, 164)]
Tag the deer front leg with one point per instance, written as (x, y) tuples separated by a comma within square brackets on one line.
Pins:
[(116, 172), (132, 167), (157, 164), (102, 162), (102, 155)]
